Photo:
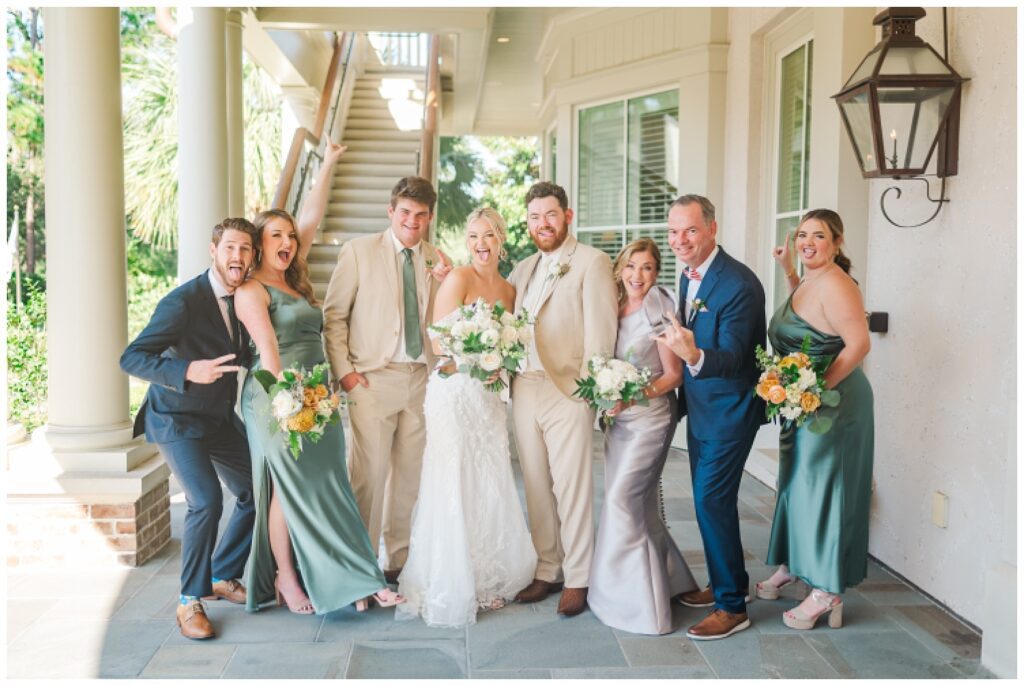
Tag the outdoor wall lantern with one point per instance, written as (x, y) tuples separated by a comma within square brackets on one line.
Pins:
[(901, 105)]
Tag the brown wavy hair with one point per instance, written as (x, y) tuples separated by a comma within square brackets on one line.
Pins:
[(834, 222), (639, 245), (297, 274)]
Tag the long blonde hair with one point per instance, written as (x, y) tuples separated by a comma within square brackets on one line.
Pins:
[(297, 273)]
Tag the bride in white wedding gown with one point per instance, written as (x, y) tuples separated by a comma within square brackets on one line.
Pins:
[(470, 547)]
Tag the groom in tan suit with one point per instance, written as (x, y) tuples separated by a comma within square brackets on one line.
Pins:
[(570, 290), (378, 304)]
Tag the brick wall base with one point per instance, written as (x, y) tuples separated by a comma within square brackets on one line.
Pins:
[(51, 532)]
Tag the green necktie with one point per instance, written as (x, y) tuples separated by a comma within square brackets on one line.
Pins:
[(413, 338)]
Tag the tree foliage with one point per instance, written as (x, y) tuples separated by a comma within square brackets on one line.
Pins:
[(458, 168), (516, 167)]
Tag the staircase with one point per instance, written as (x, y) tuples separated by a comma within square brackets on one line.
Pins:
[(379, 153)]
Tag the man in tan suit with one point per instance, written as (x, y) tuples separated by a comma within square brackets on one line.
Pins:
[(570, 290), (376, 311)]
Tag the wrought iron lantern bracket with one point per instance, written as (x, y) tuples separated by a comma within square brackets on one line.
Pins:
[(928, 192)]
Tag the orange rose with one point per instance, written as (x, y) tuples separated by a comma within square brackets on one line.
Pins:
[(320, 391), (335, 401), (764, 387), (303, 421), (308, 397), (777, 394), (809, 402), (802, 359)]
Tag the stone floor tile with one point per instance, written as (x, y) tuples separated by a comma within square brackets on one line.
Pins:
[(790, 657), (21, 614), (510, 674), (859, 615), (736, 657), (272, 625), (661, 651), (195, 660), (85, 607), (633, 673), (904, 596), (379, 624), (827, 650), (890, 655), (156, 600), (83, 648), (79, 583), (543, 640), (679, 509), (292, 661), (942, 628), (396, 659)]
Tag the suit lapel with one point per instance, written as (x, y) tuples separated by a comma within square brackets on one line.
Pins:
[(568, 252), (529, 267), (213, 314), (389, 267), (707, 284)]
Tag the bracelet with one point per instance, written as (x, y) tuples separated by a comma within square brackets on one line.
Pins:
[(791, 273)]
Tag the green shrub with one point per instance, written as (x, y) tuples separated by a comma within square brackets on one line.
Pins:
[(26, 357)]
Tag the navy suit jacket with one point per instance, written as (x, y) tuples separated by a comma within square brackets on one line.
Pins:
[(186, 326), (719, 401)]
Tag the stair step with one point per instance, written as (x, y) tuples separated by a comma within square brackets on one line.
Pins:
[(356, 133), (371, 114), (377, 196), (320, 272), (392, 72), (335, 239), (378, 145), (364, 169), (372, 184), (355, 224), (381, 157), (369, 210), (375, 107), (386, 122), (323, 253)]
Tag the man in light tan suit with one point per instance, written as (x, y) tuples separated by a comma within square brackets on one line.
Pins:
[(376, 311), (569, 288)]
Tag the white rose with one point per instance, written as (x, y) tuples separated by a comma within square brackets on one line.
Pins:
[(807, 379), (459, 329), (606, 381), (793, 394), (555, 269), (490, 338), (285, 405), (509, 335), (490, 361), (508, 319), (525, 335), (323, 407), (471, 327)]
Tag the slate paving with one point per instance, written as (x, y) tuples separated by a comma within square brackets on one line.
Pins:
[(120, 623)]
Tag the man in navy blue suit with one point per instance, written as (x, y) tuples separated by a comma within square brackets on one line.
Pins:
[(722, 310), (190, 353)]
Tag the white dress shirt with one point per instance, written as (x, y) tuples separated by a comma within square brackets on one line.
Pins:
[(219, 291), (540, 283), (399, 354), (691, 294)]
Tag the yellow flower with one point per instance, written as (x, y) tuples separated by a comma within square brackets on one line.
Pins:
[(320, 391), (777, 394), (809, 402), (303, 421), (798, 359)]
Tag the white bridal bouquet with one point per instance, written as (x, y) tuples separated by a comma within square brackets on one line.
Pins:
[(482, 339), (610, 381)]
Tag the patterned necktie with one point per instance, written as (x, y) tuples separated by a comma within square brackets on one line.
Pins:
[(411, 305), (236, 331), (692, 274)]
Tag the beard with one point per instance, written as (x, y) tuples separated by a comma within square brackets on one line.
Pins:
[(546, 244)]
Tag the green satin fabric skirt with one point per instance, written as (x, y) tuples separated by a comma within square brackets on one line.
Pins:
[(820, 529)]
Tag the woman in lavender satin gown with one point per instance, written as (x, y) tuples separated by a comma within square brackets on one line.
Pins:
[(637, 567)]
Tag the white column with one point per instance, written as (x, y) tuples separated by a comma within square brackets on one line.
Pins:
[(235, 113), (203, 134), (85, 248)]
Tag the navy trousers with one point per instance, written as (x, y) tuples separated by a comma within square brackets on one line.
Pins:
[(200, 465), (716, 468)]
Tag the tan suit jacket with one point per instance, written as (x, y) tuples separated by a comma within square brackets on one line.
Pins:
[(578, 316), (363, 305)]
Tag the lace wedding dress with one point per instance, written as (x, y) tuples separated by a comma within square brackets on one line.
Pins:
[(470, 547)]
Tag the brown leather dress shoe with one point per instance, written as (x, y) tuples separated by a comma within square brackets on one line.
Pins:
[(537, 591), (572, 602), (705, 598), (391, 575), (718, 624), (193, 621), (229, 589)]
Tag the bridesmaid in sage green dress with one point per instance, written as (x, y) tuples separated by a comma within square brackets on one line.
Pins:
[(309, 543), (820, 529)]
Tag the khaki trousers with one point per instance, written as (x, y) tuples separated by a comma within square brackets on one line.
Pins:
[(388, 436), (554, 436)]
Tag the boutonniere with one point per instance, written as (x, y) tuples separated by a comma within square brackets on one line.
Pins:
[(698, 305), (557, 270)]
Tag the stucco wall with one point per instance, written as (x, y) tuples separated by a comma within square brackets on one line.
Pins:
[(945, 375)]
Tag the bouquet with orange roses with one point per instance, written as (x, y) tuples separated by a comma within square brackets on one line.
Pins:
[(793, 386), (301, 403)]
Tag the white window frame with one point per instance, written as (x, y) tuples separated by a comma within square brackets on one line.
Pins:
[(550, 153)]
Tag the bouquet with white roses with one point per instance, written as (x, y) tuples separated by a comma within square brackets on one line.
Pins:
[(793, 386), (301, 403), (483, 339), (612, 380)]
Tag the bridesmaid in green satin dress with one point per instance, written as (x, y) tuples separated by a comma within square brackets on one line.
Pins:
[(309, 542), (820, 529)]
